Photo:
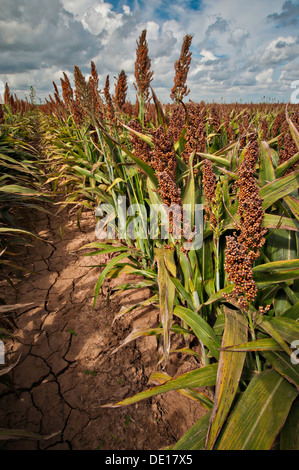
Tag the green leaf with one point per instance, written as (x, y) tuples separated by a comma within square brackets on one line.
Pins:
[(275, 221), (159, 109), (207, 268), (268, 328), (272, 192), (137, 334), (281, 245), (281, 169), (219, 324), (276, 271), (289, 436), (253, 425), (266, 172), (267, 344), (229, 372), (129, 269), (166, 267), (215, 159), (200, 327), (162, 377), (184, 293), (155, 198), (293, 129), (219, 295), (146, 138), (106, 248), (116, 181), (148, 170), (276, 266), (195, 437), (203, 377), (293, 204), (281, 303), (104, 273), (292, 312), (20, 190), (151, 301), (281, 362), (287, 328), (16, 230), (188, 194)]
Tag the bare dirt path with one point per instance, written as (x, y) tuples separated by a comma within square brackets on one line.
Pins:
[(65, 370)]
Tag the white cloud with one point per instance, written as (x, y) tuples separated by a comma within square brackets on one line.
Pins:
[(265, 77), (79, 8), (238, 36), (103, 19), (236, 50), (280, 50), (207, 55)]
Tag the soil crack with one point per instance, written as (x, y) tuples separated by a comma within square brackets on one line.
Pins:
[(66, 372)]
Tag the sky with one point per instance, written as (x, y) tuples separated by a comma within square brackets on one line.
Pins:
[(241, 50)]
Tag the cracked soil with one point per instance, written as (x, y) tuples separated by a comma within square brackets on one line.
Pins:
[(65, 369)]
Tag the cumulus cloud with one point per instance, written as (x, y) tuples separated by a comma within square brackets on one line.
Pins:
[(244, 79), (289, 15), (238, 37), (220, 25), (264, 78), (36, 34), (280, 50), (236, 52)]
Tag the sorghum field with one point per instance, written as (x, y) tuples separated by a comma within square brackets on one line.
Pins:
[(143, 342)]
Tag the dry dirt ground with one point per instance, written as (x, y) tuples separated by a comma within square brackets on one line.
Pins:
[(65, 368)]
